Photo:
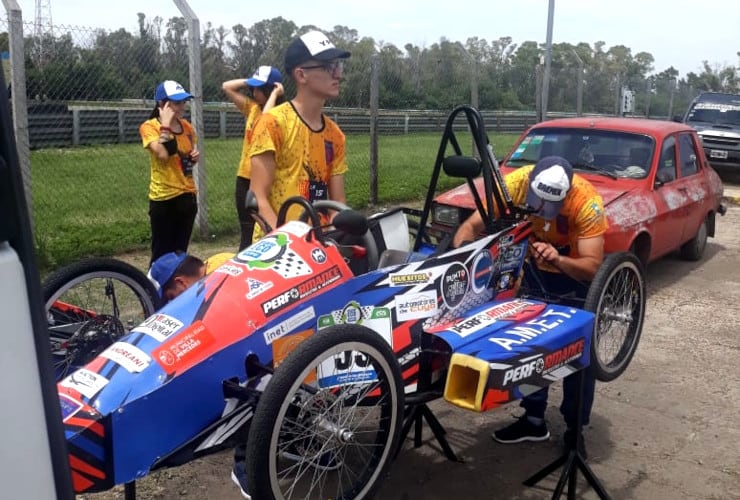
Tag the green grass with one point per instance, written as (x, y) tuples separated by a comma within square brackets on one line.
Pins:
[(93, 200)]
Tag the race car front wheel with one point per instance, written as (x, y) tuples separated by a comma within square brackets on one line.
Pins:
[(617, 297), (89, 305), (328, 422)]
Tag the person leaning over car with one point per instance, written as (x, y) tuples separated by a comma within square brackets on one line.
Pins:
[(568, 224), (175, 272), (296, 150)]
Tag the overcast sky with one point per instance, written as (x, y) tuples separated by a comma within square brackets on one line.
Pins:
[(678, 33)]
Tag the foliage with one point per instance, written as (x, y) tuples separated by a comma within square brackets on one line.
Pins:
[(119, 65), (92, 201)]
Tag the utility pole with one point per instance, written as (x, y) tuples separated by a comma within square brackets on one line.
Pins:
[(579, 88)]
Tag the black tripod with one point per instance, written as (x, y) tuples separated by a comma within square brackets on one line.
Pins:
[(416, 412), (572, 460)]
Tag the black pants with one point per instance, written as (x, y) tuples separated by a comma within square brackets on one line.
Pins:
[(536, 403), (172, 224), (246, 223)]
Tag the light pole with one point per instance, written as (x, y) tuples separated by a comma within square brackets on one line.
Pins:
[(579, 88), (473, 75)]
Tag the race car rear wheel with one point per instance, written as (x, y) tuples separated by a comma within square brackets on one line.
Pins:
[(89, 305), (328, 422), (617, 297)]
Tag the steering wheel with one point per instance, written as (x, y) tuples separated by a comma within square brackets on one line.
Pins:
[(324, 206)]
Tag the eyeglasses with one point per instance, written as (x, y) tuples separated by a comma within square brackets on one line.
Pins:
[(331, 67)]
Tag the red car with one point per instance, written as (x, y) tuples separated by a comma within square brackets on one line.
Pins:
[(659, 192)]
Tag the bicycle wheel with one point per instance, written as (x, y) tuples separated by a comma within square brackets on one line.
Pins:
[(617, 298), (329, 420), (89, 305)]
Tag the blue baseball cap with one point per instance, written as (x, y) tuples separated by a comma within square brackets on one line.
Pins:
[(172, 91), (164, 268), (265, 75)]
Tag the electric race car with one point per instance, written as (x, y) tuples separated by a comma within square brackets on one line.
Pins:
[(315, 351)]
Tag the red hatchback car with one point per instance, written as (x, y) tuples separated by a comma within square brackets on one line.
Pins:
[(659, 192)]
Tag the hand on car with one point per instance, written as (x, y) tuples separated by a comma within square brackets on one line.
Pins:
[(545, 252)]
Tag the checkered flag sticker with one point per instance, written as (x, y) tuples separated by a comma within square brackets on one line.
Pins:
[(291, 265)]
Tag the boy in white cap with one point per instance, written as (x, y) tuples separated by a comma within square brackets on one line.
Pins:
[(296, 149), (568, 223), (264, 91)]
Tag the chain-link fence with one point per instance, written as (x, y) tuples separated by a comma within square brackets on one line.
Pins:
[(79, 95)]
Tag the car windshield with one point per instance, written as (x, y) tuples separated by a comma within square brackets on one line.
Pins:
[(602, 152), (718, 114)]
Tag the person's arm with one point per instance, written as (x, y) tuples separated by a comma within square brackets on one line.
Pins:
[(263, 175), (277, 91), (232, 89), (583, 267), (468, 230), (336, 188), (166, 118)]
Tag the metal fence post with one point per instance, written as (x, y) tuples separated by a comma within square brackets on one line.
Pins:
[(76, 126), (121, 126), (196, 112), (18, 97), (374, 98), (222, 124)]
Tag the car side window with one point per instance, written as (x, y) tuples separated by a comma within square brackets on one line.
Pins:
[(687, 155), (667, 164)]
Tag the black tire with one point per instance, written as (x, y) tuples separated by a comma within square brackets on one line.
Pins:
[(89, 305), (617, 297), (308, 441), (694, 248)]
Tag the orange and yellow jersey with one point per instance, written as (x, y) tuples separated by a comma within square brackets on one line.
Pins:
[(302, 155), (167, 179), (581, 216), (251, 112)]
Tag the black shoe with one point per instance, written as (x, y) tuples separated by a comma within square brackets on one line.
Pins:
[(522, 430), (567, 439)]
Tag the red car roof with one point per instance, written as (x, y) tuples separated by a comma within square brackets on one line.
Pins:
[(635, 125)]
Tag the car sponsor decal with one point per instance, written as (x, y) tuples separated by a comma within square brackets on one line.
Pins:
[(273, 252), (482, 270), (510, 257), (351, 366), (563, 356), (185, 350), (454, 284), (416, 306), (283, 346), (296, 228), (290, 324), (318, 255), (230, 269), (505, 311), (299, 292), (528, 366), (520, 334), (409, 279), (69, 406), (133, 359), (256, 287), (159, 326), (85, 382), (505, 281)]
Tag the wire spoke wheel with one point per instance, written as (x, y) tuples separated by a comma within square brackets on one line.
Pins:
[(91, 304), (327, 424), (617, 298)]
